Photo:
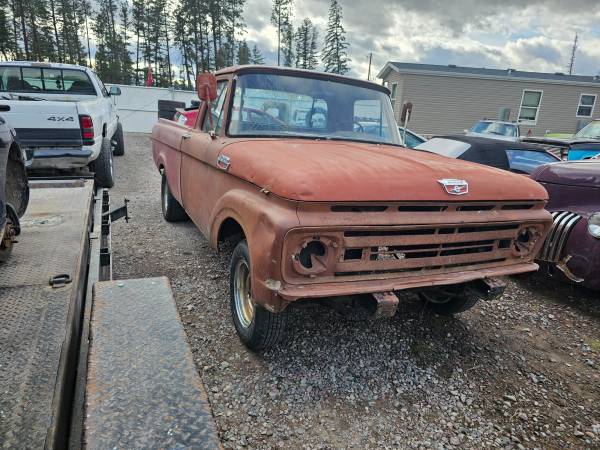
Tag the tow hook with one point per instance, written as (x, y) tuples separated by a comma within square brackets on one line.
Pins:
[(387, 304), (488, 288)]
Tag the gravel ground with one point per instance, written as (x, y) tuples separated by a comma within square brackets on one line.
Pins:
[(519, 372)]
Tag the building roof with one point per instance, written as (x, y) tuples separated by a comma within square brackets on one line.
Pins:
[(482, 72)]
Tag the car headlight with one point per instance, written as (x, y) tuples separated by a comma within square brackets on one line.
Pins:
[(594, 225)]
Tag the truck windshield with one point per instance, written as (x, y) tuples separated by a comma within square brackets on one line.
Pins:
[(501, 129), (281, 105)]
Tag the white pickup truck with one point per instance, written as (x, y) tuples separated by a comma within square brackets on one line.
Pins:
[(63, 115)]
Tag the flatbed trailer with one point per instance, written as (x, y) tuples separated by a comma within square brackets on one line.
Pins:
[(67, 331)]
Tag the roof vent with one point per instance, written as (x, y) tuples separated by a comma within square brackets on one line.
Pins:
[(452, 65)]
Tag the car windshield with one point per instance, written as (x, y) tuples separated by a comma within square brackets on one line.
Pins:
[(280, 105), (502, 129), (590, 131), (410, 140), (525, 161)]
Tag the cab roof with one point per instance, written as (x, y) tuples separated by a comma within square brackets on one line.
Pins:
[(291, 71), (47, 65)]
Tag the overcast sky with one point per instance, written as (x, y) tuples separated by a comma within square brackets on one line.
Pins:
[(477, 33)]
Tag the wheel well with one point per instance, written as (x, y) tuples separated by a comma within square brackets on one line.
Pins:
[(14, 152), (230, 231)]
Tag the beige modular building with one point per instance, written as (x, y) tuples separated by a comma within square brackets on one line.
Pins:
[(449, 99)]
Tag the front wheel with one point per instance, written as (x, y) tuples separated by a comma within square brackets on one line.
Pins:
[(119, 141), (449, 300), (257, 327), (103, 166)]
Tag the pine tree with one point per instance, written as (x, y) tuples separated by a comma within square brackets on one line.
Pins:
[(257, 57), (84, 12), (71, 47), (112, 59), (243, 55), (287, 45), (281, 18), (334, 55), (306, 45), (8, 37)]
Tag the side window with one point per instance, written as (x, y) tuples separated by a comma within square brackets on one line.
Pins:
[(525, 161), (216, 110), (10, 79)]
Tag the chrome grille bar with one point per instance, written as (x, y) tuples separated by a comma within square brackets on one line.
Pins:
[(562, 224)]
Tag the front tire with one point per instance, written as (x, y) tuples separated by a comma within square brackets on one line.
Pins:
[(449, 300), (171, 208), (119, 140), (257, 328), (103, 166)]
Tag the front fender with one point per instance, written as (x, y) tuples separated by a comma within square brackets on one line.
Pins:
[(265, 219)]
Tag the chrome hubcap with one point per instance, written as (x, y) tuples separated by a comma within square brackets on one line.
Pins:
[(244, 306)]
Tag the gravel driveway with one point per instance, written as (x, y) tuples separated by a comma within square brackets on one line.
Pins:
[(519, 372)]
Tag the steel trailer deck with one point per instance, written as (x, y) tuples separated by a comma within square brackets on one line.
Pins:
[(67, 342), (40, 318)]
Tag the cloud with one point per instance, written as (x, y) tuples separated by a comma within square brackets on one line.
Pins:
[(534, 36)]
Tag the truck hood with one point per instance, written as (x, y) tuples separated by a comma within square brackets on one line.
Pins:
[(305, 170), (584, 173)]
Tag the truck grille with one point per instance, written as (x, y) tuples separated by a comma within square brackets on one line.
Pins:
[(562, 224), (394, 251)]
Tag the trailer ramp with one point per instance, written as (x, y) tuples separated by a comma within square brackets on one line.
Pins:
[(142, 390)]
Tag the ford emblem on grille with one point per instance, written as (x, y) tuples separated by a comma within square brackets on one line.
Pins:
[(454, 187)]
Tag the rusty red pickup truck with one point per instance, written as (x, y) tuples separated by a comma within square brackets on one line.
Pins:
[(303, 172)]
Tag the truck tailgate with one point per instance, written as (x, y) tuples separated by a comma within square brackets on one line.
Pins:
[(43, 123)]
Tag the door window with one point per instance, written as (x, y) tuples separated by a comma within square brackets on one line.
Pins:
[(216, 110)]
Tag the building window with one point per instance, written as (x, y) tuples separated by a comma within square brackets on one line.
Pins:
[(586, 105), (393, 90), (530, 106)]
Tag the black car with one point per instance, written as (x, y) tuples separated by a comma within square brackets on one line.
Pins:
[(14, 188), (517, 157)]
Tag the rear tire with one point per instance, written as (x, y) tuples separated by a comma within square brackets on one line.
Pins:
[(171, 208), (119, 149), (257, 328), (449, 300), (103, 166)]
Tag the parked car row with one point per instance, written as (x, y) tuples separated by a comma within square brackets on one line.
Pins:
[(64, 117)]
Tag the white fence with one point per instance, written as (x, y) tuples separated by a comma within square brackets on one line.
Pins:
[(138, 105)]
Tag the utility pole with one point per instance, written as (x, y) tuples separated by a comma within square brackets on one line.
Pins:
[(369, 73), (572, 61)]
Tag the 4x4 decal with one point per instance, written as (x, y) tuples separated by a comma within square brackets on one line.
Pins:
[(60, 119)]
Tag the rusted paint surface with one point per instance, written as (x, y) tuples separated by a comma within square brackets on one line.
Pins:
[(375, 198)]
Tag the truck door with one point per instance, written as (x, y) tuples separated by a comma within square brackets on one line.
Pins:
[(198, 180)]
